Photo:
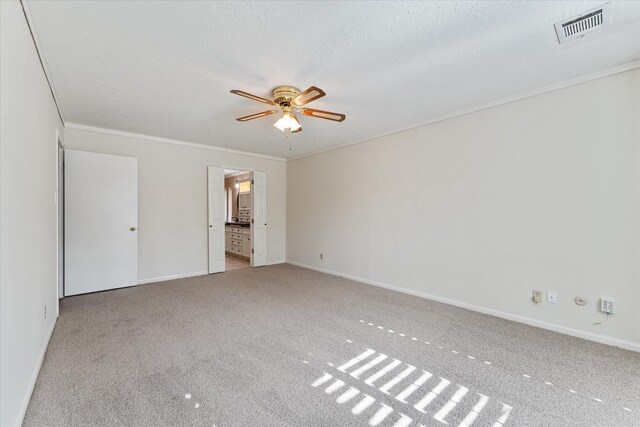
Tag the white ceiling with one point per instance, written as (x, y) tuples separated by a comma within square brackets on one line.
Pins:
[(228, 173), (165, 69)]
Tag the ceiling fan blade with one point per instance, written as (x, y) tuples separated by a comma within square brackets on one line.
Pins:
[(257, 115), (308, 96), (254, 97), (327, 115)]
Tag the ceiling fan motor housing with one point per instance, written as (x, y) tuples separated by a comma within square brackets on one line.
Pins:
[(282, 95)]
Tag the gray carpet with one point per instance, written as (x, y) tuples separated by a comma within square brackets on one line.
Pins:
[(282, 345)]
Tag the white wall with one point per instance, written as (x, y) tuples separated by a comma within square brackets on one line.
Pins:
[(480, 209), (172, 182), (28, 228)]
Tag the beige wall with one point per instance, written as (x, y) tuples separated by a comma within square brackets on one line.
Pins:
[(479, 210), (28, 220), (172, 204)]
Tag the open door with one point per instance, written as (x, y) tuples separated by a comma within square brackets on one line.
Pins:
[(259, 220), (216, 219)]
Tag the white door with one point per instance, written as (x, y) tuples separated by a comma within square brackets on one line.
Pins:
[(100, 222), (216, 218), (259, 221)]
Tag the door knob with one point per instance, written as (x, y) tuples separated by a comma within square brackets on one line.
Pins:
[(132, 229)]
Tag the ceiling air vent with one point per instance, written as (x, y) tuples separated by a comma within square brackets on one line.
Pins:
[(579, 25)]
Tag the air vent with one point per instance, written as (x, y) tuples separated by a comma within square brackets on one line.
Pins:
[(577, 26)]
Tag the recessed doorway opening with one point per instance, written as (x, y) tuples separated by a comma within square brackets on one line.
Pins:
[(238, 204), (237, 218)]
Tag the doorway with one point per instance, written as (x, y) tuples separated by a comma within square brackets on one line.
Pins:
[(237, 242), (60, 201), (237, 219)]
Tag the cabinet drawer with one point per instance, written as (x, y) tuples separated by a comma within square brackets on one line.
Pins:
[(236, 250), (235, 229), (236, 236), (246, 231), (236, 242)]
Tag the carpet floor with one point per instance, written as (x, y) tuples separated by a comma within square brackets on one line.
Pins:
[(287, 346)]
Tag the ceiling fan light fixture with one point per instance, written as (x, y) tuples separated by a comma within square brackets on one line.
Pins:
[(288, 121)]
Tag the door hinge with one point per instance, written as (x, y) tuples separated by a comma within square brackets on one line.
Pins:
[(251, 250), (252, 182), (251, 220)]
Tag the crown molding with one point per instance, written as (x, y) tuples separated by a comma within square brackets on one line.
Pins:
[(550, 88), (78, 126), (43, 64), (546, 89)]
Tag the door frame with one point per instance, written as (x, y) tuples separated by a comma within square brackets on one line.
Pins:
[(59, 222), (252, 170)]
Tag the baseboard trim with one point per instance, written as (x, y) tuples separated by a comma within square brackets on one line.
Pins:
[(276, 262), (34, 377), (602, 339), (171, 277)]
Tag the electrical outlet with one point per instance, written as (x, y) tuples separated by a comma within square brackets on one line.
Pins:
[(321, 255), (552, 297), (580, 301), (537, 296), (607, 305)]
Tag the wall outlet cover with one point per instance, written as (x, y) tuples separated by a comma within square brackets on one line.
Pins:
[(536, 296), (552, 297), (607, 305)]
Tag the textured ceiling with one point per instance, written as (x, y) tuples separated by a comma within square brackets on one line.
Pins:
[(165, 68)]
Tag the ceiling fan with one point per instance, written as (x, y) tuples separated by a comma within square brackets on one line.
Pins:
[(290, 100)]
